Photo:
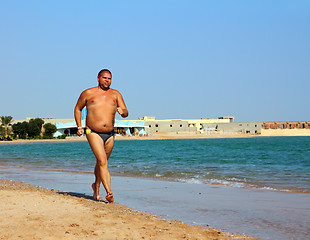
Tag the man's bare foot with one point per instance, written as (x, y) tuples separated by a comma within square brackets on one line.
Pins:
[(96, 195), (109, 197)]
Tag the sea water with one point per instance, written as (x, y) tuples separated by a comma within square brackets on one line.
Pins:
[(280, 163), (258, 186)]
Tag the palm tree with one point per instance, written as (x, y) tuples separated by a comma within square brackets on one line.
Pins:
[(6, 120)]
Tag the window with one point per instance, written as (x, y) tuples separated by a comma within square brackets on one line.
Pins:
[(150, 126), (240, 125), (181, 125), (170, 125), (255, 125), (156, 125)]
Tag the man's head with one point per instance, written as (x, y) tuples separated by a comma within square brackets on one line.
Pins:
[(104, 70), (104, 78)]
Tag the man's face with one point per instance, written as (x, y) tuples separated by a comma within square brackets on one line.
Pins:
[(104, 80)]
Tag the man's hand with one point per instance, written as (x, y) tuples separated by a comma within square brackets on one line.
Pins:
[(120, 111), (123, 112), (80, 132)]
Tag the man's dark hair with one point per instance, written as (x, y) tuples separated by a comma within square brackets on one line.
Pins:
[(104, 70)]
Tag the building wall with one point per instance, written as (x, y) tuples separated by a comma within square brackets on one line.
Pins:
[(287, 125), (198, 123), (180, 125), (290, 128), (237, 127), (168, 126)]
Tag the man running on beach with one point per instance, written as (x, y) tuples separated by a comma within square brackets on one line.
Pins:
[(102, 103)]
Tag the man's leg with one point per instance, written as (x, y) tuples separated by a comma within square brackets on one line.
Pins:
[(96, 185), (101, 170), (108, 147)]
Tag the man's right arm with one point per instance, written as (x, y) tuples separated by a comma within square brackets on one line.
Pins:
[(78, 113)]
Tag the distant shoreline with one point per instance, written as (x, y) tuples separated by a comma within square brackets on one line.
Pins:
[(160, 136), (156, 136)]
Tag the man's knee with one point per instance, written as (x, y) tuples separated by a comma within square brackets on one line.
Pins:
[(102, 163)]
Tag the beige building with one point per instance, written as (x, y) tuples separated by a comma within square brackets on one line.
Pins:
[(290, 128), (180, 125)]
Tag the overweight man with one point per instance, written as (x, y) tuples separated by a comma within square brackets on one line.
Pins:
[(102, 103)]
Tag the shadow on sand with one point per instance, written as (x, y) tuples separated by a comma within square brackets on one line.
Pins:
[(81, 195)]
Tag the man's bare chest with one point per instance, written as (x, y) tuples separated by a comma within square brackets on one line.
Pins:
[(101, 100)]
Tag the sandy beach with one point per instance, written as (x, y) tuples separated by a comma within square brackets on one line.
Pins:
[(31, 212)]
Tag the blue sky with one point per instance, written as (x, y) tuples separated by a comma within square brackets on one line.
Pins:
[(169, 59)]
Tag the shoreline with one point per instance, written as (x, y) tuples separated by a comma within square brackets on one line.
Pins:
[(232, 210), (213, 184), (159, 136), (56, 215)]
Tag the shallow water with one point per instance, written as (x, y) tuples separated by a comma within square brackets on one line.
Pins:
[(266, 214), (281, 163)]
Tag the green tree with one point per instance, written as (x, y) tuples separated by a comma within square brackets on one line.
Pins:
[(34, 128), (20, 129), (6, 120), (50, 129), (1, 130), (25, 127)]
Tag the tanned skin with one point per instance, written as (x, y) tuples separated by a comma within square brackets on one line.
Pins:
[(102, 103)]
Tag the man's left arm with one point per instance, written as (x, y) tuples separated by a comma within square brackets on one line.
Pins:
[(121, 106)]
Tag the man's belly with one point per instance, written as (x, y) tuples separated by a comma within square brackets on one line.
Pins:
[(103, 124)]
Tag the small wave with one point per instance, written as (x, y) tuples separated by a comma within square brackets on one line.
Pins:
[(231, 183), (191, 181), (212, 182), (269, 188), (234, 182)]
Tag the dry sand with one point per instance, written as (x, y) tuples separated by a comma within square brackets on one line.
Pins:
[(186, 136), (30, 212)]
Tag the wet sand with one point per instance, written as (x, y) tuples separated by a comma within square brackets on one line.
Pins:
[(31, 212)]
